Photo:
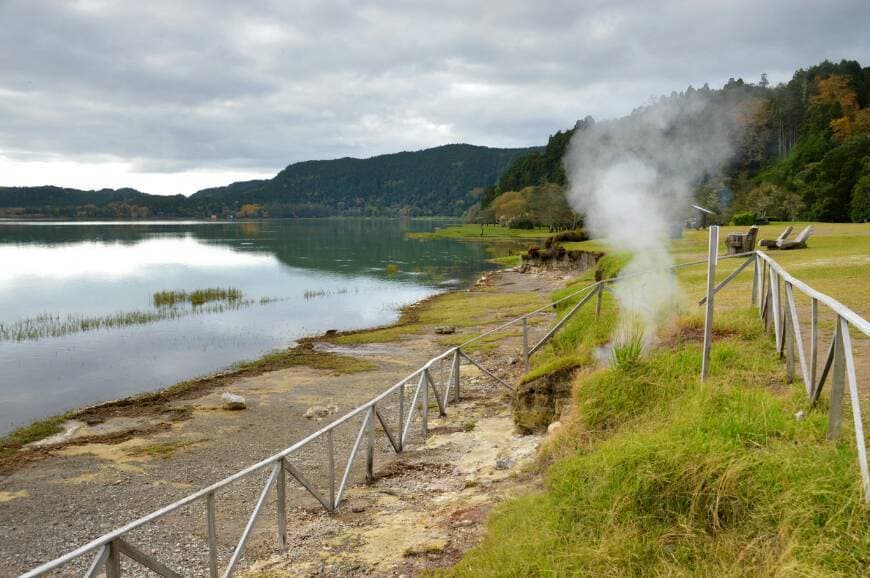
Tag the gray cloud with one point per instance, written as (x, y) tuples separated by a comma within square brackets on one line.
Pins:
[(172, 86)]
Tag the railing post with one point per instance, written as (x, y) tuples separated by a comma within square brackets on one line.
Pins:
[(814, 342), (755, 282), (780, 317), (424, 413), (454, 374), (113, 562), (281, 505), (401, 436), (712, 252), (526, 343), (598, 300), (370, 446), (851, 376), (788, 336), (212, 535), (330, 457), (838, 380)]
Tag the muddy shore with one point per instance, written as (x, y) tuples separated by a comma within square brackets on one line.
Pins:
[(123, 459)]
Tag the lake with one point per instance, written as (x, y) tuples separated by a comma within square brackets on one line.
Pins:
[(79, 325)]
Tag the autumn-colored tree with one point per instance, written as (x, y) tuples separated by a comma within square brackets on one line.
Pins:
[(836, 91), (248, 211), (510, 205)]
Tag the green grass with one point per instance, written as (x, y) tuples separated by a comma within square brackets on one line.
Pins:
[(660, 476), (470, 232), (655, 473), (36, 431), (459, 309), (307, 356), (162, 450)]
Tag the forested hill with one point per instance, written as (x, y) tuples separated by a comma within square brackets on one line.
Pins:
[(445, 180), (802, 151)]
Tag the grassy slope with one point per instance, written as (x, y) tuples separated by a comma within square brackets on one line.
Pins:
[(656, 474), (504, 245)]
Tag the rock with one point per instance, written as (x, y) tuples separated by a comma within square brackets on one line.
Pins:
[(320, 411), (331, 331), (800, 415), (232, 401), (512, 360), (554, 427), (358, 509), (445, 330), (503, 463)]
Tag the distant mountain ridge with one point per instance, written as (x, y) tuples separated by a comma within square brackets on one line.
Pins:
[(444, 180)]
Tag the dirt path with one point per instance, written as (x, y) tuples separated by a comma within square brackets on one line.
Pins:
[(427, 503)]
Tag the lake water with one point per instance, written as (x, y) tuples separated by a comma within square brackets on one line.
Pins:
[(298, 278)]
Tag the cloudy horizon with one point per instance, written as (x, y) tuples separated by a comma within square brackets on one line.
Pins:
[(171, 97)]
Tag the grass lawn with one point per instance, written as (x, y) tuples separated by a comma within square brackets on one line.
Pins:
[(655, 473)]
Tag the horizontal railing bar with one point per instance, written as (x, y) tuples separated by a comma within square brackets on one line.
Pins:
[(728, 279), (562, 322)]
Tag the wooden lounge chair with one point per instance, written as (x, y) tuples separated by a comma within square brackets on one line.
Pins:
[(799, 242), (737, 243), (774, 243)]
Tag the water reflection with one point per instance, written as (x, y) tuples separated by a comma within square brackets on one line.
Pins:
[(359, 270)]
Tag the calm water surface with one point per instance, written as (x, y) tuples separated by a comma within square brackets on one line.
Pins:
[(356, 274)]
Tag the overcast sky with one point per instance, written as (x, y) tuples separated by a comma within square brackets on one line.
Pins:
[(173, 96)]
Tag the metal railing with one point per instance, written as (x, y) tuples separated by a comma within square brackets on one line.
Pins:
[(108, 550)]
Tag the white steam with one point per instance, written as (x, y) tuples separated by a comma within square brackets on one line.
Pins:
[(633, 177)]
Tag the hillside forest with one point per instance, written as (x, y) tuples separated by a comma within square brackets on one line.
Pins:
[(802, 151)]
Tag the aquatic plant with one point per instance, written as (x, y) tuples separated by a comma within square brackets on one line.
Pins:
[(49, 325), (312, 293), (196, 298)]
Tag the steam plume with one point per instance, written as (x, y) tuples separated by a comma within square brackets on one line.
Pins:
[(633, 178)]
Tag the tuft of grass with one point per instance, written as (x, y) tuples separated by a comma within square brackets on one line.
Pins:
[(197, 297), (626, 352), (30, 433)]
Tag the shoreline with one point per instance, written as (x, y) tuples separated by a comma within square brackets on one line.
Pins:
[(143, 469), (16, 446)]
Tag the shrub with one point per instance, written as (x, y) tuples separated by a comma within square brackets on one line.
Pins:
[(574, 236), (520, 223), (744, 218)]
